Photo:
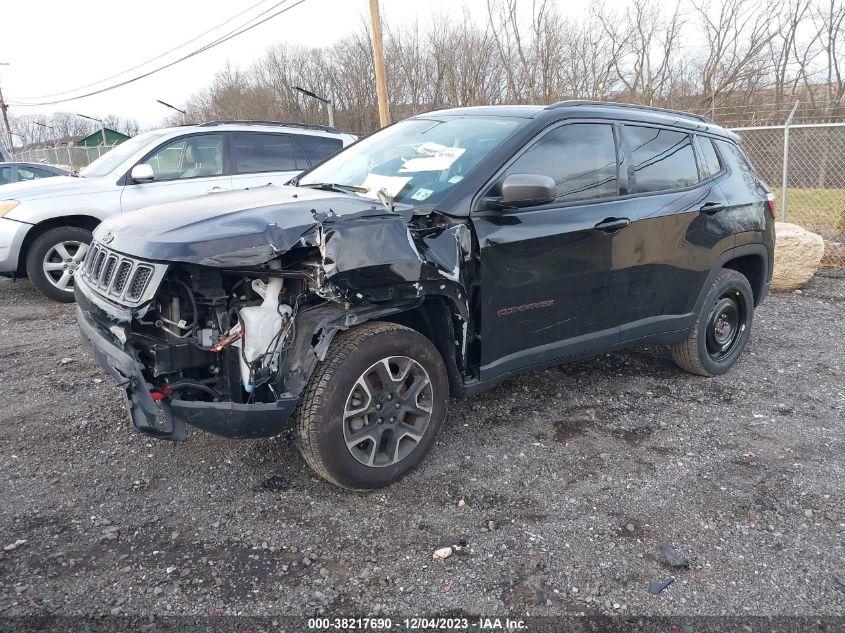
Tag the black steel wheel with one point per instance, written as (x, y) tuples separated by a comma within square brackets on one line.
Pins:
[(721, 328)]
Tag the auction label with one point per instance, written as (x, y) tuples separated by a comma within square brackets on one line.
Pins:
[(417, 624)]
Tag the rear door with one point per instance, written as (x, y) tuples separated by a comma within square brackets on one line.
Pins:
[(548, 273), (185, 167), (676, 232), (261, 158)]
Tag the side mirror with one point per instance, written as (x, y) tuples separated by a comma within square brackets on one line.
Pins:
[(527, 190), (142, 173)]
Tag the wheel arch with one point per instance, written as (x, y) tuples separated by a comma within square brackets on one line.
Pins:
[(752, 260), (82, 221), (753, 267), (440, 320)]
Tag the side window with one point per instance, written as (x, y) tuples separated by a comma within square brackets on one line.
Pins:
[(5, 175), (190, 157), (255, 153), (580, 157), (27, 173), (736, 158), (319, 148), (661, 160), (711, 165)]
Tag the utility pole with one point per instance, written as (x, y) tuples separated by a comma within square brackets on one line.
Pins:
[(378, 59), (5, 110)]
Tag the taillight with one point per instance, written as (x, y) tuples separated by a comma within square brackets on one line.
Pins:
[(770, 202)]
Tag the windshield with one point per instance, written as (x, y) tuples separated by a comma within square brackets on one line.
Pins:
[(415, 161), (112, 159)]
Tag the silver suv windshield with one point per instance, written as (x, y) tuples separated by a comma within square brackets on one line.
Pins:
[(415, 161), (112, 159)]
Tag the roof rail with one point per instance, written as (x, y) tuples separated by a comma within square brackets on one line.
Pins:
[(304, 126), (616, 104)]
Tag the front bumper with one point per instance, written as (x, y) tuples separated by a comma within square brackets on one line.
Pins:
[(12, 234), (167, 418)]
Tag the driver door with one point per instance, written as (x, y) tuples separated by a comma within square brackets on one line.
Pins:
[(183, 168), (550, 273)]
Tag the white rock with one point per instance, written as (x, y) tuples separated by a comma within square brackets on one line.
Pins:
[(442, 553), (797, 256), (20, 542)]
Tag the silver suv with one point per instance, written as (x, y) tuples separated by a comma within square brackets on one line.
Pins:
[(46, 225)]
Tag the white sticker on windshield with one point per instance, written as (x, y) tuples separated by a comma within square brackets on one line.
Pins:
[(455, 179), (435, 158), (391, 184), (421, 194)]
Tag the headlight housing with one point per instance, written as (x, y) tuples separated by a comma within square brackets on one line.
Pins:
[(6, 206)]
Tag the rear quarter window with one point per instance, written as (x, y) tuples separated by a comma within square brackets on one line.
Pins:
[(711, 164), (319, 148)]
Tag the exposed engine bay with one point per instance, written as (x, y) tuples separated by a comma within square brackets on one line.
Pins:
[(215, 337)]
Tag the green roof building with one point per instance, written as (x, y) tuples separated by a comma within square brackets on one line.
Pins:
[(113, 137)]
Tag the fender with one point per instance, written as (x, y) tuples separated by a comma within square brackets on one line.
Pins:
[(758, 250), (317, 327)]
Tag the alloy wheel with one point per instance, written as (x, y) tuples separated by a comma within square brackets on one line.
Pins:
[(388, 411), (62, 262)]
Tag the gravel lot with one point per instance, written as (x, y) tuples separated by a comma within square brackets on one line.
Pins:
[(571, 478)]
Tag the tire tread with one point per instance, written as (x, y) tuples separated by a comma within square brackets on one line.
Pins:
[(307, 423), (685, 353)]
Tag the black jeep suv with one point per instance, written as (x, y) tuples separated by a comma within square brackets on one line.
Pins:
[(433, 258)]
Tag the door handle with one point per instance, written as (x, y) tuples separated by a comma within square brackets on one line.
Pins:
[(709, 208), (611, 225), (215, 189)]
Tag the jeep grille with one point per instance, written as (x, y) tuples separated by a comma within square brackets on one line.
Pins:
[(121, 278)]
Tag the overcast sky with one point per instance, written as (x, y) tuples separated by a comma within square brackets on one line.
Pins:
[(56, 45)]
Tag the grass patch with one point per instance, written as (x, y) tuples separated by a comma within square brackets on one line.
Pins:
[(819, 210)]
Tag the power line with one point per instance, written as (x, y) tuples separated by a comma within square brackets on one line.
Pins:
[(232, 34), (157, 57)]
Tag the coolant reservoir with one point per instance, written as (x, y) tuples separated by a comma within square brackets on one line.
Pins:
[(261, 325)]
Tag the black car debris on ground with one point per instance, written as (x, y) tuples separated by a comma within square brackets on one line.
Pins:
[(436, 257), (563, 484)]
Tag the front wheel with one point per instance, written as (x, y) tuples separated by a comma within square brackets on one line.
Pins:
[(54, 260), (721, 328), (372, 409)]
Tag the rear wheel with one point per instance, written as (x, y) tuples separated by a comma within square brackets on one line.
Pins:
[(55, 258), (721, 328), (373, 408)]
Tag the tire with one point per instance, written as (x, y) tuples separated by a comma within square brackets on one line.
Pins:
[(711, 349), (49, 250), (347, 381)]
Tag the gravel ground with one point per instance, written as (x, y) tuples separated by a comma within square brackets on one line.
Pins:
[(564, 483)]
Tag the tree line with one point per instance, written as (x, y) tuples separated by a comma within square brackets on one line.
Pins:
[(32, 130), (740, 61)]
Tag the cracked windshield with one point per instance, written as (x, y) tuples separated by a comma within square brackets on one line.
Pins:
[(415, 161)]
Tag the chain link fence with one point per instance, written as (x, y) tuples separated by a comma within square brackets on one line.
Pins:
[(814, 174), (74, 157)]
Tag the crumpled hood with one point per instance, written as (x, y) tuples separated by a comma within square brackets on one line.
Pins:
[(53, 187), (238, 228)]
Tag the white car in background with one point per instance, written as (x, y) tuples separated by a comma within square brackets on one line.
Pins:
[(46, 225)]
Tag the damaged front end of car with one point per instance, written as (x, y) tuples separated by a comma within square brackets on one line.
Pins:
[(217, 318)]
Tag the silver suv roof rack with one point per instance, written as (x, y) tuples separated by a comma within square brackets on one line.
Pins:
[(304, 126), (634, 106)]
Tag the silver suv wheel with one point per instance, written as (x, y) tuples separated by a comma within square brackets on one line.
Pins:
[(62, 262)]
